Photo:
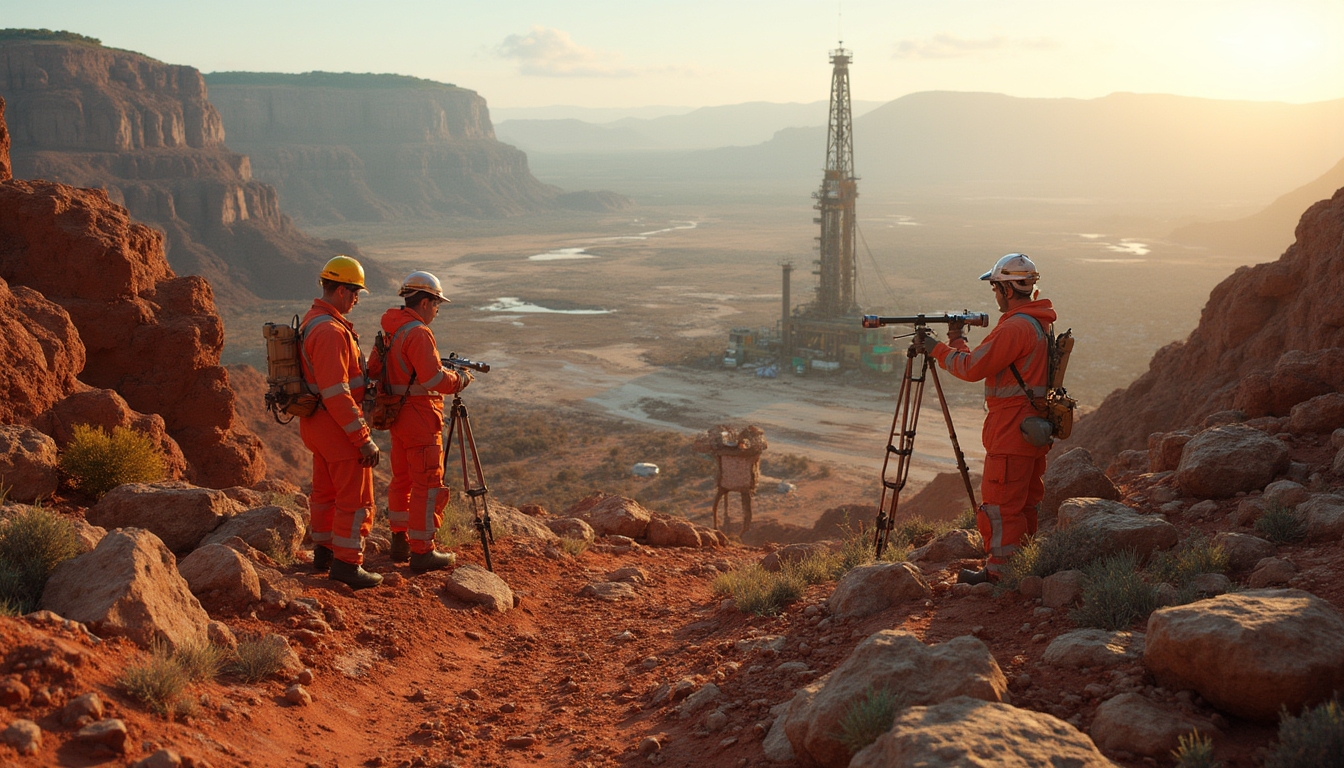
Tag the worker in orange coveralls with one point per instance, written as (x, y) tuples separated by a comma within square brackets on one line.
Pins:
[(341, 504), (416, 496), (1014, 460)]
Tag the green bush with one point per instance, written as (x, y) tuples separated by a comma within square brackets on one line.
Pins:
[(1195, 751), (99, 462), (1314, 739), (1179, 566), (1115, 594), (1281, 525), (1063, 549), (157, 683), (868, 718), (756, 590), (256, 659), (32, 544)]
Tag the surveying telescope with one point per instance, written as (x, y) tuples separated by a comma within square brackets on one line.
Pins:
[(978, 319), (901, 440)]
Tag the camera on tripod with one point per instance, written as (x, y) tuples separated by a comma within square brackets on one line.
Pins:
[(460, 363), (979, 319)]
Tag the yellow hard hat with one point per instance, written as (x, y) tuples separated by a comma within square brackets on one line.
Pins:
[(343, 269)]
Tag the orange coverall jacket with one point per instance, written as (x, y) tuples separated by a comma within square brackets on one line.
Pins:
[(416, 495), (1014, 339)]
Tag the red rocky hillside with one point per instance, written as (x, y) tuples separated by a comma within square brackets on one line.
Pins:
[(98, 328), (1269, 338)]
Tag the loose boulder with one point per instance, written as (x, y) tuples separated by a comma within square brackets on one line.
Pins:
[(1222, 461), (220, 578), (277, 531), (1131, 723), (1118, 527), (1250, 653), (507, 522), (618, 516), (1324, 516), (1323, 413), (1072, 475), (1243, 550), (1094, 648), (571, 528), (1164, 450), (793, 554), (897, 661), (956, 544), (664, 531), (474, 584), (179, 514), (128, 585), (965, 731), (875, 587), (28, 463)]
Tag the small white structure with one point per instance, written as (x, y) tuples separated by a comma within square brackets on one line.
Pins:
[(644, 469)]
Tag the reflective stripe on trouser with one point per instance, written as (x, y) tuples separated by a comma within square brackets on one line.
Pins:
[(417, 486), (341, 506), (1011, 490)]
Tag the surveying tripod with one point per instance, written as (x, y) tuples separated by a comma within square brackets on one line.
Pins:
[(460, 425), (903, 427)]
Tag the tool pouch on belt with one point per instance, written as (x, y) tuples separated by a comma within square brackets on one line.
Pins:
[(1056, 419), (382, 407)]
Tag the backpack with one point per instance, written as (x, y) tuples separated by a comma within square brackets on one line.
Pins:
[(1056, 408), (286, 392), (381, 405)]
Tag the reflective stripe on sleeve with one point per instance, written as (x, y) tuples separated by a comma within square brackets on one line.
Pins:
[(433, 381), (335, 390), (354, 426)]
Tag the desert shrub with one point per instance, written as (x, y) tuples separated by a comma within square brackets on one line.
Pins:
[(785, 465), (1179, 566), (1195, 751), (158, 682), (32, 544), (916, 531), (868, 718), (99, 462), (1281, 525), (459, 527), (573, 547), (256, 659), (1064, 549), (1313, 739), (200, 660), (1115, 594), (966, 520), (756, 590), (816, 568)]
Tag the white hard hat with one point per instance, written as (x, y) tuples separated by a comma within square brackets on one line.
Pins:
[(1016, 269), (422, 282)]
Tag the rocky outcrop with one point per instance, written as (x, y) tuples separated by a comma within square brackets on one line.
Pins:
[(6, 172), (41, 350), (381, 147), (145, 132), (109, 410), (151, 336), (1268, 338), (179, 514), (28, 464)]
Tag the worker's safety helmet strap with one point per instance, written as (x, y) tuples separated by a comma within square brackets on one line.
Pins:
[(422, 282), (343, 269), (1016, 269)]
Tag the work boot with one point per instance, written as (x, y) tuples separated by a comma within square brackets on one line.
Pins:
[(401, 547), (967, 576), (354, 576), (424, 562), (321, 558)]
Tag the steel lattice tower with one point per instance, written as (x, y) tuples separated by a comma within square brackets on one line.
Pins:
[(835, 200)]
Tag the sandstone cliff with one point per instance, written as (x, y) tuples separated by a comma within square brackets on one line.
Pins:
[(85, 291), (6, 173), (380, 147), (1266, 340), (145, 132)]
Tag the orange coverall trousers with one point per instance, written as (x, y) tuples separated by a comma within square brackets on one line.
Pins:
[(416, 496), (1010, 495), (342, 501)]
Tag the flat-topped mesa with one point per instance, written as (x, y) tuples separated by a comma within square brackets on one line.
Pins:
[(368, 147), (146, 133)]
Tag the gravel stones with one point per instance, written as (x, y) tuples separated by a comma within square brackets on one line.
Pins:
[(1250, 653)]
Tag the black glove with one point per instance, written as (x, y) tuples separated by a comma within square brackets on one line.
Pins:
[(368, 455), (929, 344)]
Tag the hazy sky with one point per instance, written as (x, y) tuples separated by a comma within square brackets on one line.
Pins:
[(627, 53)]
